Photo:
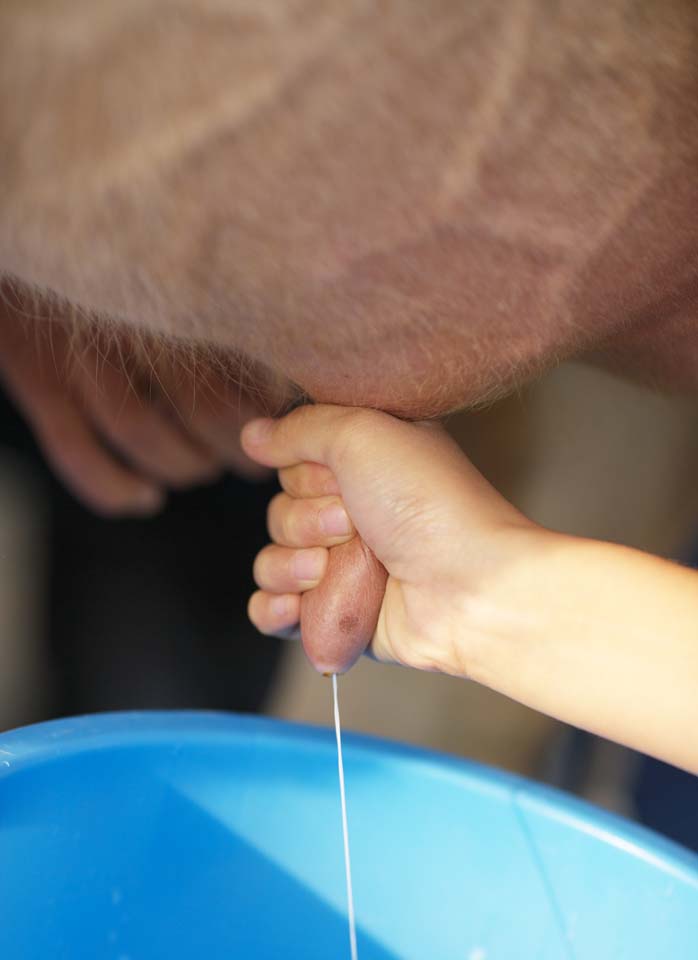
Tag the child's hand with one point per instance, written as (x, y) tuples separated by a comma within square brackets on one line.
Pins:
[(592, 633), (369, 486)]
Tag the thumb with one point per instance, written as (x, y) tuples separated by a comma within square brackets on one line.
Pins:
[(391, 474)]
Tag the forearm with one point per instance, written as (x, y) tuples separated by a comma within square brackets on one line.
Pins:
[(599, 636)]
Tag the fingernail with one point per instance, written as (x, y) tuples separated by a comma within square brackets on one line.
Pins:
[(279, 606), (335, 521), (308, 566), (257, 431)]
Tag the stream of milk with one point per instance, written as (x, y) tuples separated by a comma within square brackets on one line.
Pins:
[(345, 829)]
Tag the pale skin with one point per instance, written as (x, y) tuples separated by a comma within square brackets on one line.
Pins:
[(595, 634)]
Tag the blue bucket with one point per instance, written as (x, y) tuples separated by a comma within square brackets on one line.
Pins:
[(172, 836)]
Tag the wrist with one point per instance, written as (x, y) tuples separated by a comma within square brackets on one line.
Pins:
[(495, 614)]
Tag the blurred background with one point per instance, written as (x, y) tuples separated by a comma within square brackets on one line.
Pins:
[(109, 615)]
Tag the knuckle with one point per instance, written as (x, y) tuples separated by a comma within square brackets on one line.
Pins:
[(303, 479), (292, 521), (286, 519), (274, 515), (328, 484), (352, 428), (290, 479), (318, 481)]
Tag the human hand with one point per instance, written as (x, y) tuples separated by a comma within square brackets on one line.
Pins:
[(593, 633), (121, 418), (423, 535)]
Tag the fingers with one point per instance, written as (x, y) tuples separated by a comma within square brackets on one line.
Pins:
[(347, 440), (274, 614), (322, 521), (308, 480), (283, 574), (283, 570), (309, 433)]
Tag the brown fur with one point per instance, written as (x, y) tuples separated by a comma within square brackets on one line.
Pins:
[(400, 204), (394, 203)]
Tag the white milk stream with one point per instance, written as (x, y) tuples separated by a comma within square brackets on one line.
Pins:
[(345, 829)]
